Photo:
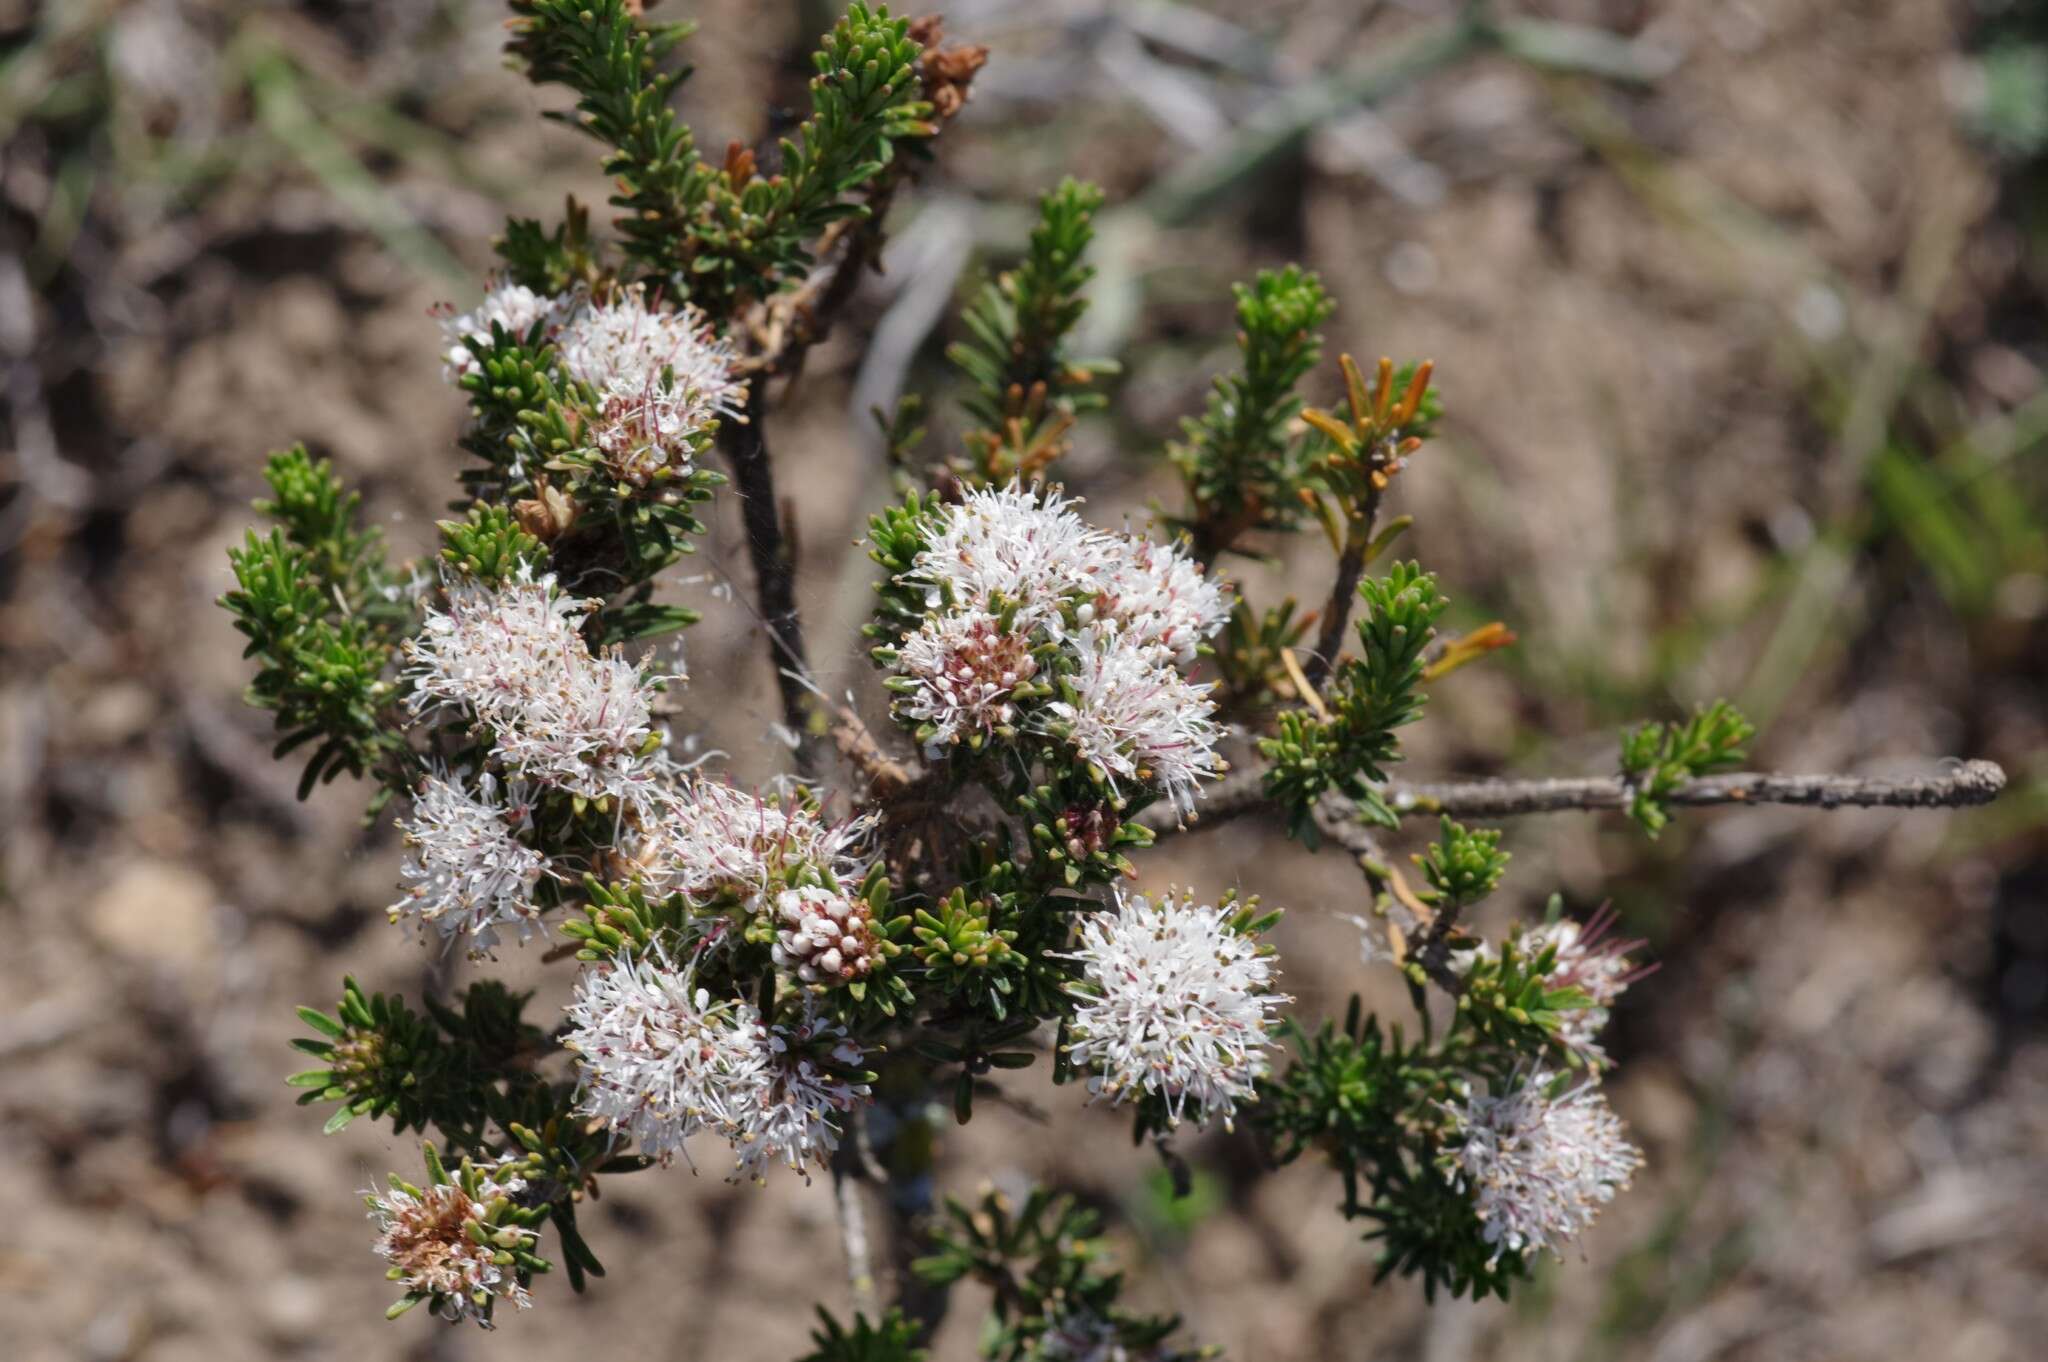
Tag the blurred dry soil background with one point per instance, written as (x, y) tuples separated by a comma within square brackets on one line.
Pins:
[(1738, 307)]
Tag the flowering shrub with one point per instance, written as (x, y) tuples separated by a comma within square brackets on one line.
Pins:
[(916, 913)]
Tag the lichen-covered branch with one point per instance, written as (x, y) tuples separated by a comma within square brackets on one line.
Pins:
[(1966, 785)]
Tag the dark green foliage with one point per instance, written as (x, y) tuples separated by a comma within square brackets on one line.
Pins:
[(894, 1339), (1242, 463), (1346, 1090), (617, 67), (1026, 387), (1050, 1275), (965, 954), (978, 1046), (864, 99), (522, 414), (491, 1026), (1427, 1228), (310, 597), (385, 1060), (896, 535), (470, 1073), (718, 235), (989, 973), (1248, 651), (563, 1154), (489, 546), (1079, 837), (1507, 1001), (1371, 697), (554, 262), (323, 519), (1371, 1103), (1464, 864), (621, 918), (1657, 758)]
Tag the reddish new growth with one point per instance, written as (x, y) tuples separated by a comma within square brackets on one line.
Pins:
[(1088, 828), (946, 71)]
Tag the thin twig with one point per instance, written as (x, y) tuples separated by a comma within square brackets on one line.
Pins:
[(774, 567), (1344, 590), (1338, 822), (888, 779), (1337, 610)]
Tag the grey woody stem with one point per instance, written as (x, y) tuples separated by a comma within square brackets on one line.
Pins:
[(1967, 784), (774, 560), (853, 1241)]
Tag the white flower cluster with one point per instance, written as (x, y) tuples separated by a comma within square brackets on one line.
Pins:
[(513, 307), (967, 667), (1589, 958), (661, 1061), (1540, 1168), (660, 378), (796, 1119), (1592, 961), (558, 714), (709, 839), (424, 1234), (1174, 1003), (1137, 718), (1008, 574), (465, 870)]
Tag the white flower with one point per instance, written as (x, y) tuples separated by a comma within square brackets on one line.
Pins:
[(1030, 549), (1020, 545), (965, 666), (1006, 572), (466, 871), (423, 1232), (705, 838), (796, 1116), (1137, 718), (1174, 1003), (560, 715), (1160, 595), (1540, 1168), (660, 377), (659, 1059), (513, 307), (824, 936)]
